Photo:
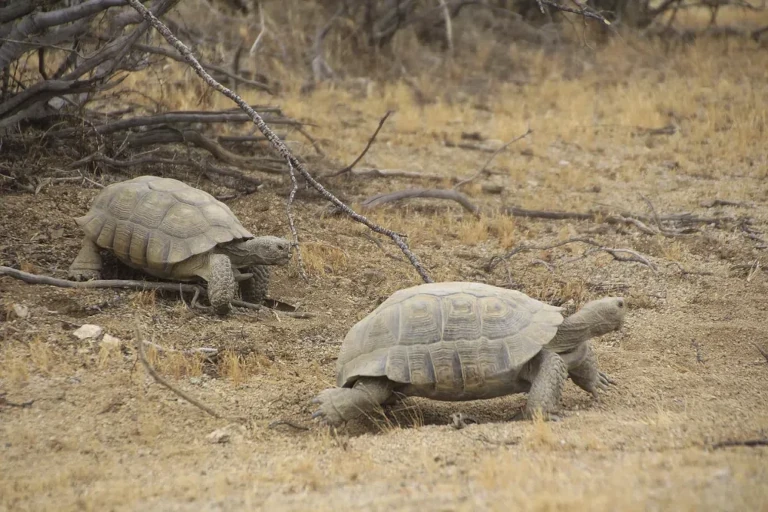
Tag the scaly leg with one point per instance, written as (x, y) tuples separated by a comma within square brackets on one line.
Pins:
[(87, 264), (587, 376), (221, 285), (254, 290), (339, 405), (549, 375)]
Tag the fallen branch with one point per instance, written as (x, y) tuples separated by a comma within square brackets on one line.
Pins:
[(724, 202), (274, 140), (762, 351), (367, 147), (291, 224), (634, 256), (163, 382), (490, 159), (197, 290), (751, 443), (432, 193)]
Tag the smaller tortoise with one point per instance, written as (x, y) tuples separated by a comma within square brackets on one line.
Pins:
[(458, 341), (171, 230)]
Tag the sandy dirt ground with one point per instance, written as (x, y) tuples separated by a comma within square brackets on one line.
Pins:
[(98, 433)]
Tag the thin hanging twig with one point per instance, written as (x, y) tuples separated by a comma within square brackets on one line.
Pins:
[(274, 140)]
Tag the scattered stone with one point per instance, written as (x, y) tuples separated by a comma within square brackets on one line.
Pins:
[(110, 341), (89, 331), (233, 432), (20, 311)]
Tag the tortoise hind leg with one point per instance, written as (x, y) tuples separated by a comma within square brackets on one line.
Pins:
[(87, 264), (221, 285), (549, 376), (339, 405), (254, 290)]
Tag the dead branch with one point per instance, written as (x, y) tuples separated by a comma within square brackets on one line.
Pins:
[(211, 67), (208, 168), (724, 202), (161, 136), (490, 159), (634, 256), (274, 140), (432, 193), (204, 351), (163, 382), (288, 205), (179, 117), (751, 443), (197, 290), (259, 307), (762, 351), (367, 147)]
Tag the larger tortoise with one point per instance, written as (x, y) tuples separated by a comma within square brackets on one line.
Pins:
[(171, 230), (457, 341)]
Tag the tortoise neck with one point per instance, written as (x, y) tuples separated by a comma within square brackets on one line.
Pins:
[(575, 330)]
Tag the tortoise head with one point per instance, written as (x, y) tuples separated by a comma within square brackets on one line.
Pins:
[(603, 315), (261, 250)]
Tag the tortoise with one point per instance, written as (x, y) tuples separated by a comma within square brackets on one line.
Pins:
[(456, 341), (171, 230)]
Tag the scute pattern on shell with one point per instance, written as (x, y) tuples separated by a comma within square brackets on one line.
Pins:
[(453, 336), (155, 222)]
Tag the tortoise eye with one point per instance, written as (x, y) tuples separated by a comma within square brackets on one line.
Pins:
[(621, 304)]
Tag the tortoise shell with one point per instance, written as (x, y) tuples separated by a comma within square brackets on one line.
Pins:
[(153, 223), (453, 338)]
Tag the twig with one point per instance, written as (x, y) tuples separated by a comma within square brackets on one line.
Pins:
[(261, 33), (134, 285), (380, 246), (367, 147), (751, 443), (100, 283), (206, 351), (259, 307), (448, 26), (163, 382), (432, 193), (634, 255), (291, 196), (274, 140), (490, 159), (762, 351)]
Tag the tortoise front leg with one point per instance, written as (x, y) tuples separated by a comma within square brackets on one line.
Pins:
[(339, 405), (549, 375), (87, 264), (587, 375), (221, 285), (254, 289)]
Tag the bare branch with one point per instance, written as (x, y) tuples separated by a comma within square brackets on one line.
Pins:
[(274, 140), (163, 382), (615, 252), (490, 159), (367, 147), (432, 193)]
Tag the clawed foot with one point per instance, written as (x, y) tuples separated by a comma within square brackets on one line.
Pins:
[(83, 275), (327, 414), (525, 415), (605, 380)]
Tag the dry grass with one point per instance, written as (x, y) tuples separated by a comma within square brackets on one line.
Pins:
[(102, 435)]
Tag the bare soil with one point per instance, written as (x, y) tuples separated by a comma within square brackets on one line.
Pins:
[(101, 434)]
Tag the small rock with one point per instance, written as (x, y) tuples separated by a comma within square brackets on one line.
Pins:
[(225, 435), (20, 311), (89, 331), (110, 341), (220, 436)]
